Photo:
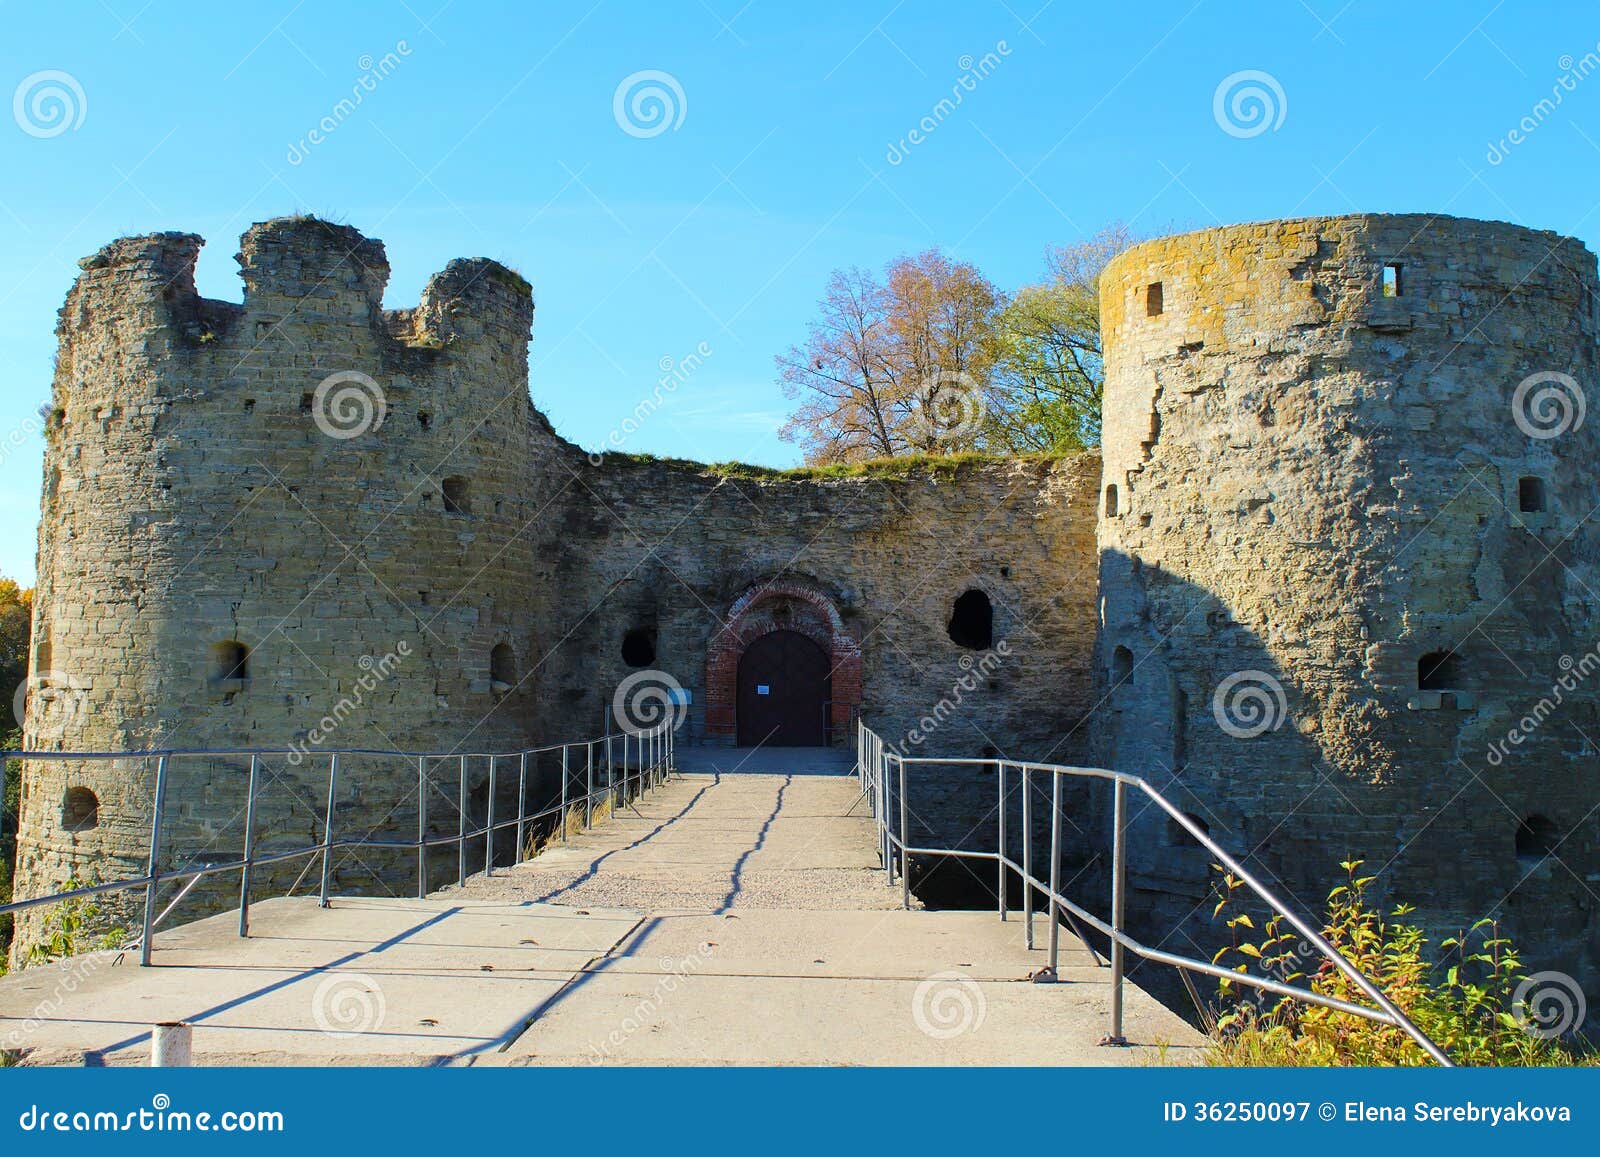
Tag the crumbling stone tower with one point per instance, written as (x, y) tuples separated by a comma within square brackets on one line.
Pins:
[(210, 469), (1345, 550)]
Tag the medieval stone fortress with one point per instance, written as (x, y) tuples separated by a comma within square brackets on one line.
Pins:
[(1325, 584)]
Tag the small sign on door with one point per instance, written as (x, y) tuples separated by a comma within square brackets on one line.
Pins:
[(763, 689)]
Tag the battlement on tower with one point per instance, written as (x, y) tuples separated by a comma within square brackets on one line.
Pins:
[(300, 274)]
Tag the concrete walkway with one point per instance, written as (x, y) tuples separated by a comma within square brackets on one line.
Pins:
[(735, 916)]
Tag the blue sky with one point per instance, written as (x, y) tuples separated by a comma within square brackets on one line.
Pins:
[(493, 133)]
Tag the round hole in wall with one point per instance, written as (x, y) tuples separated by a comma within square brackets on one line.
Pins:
[(639, 647), (1537, 837), (972, 621), (80, 810)]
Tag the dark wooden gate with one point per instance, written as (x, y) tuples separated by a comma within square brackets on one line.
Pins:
[(785, 682)]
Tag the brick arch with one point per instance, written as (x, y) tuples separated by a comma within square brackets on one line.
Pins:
[(754, 614)]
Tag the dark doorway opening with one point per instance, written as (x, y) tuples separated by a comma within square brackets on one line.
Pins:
[(785, 682)]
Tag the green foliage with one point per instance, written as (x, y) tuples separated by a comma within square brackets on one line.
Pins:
[(76, 926), (16, 624), (1462, 996)]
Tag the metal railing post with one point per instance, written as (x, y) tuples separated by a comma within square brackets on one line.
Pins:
[(1119, 899), (148, 933), (588, 788), (488, 823), (249, 848), (461, 825), (1000, 864), (1055, 871), (522, 803), (1027, 857), (905, 842), (422, 826), (564, 777), (327, 830), (611, 755)]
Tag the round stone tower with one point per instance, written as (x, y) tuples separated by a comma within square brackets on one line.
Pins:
[(292, 523), (1347, 550)]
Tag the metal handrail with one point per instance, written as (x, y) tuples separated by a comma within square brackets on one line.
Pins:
[(648, 765), (887, 794)]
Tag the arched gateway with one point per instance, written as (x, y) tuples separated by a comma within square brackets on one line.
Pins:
[(783, 671)]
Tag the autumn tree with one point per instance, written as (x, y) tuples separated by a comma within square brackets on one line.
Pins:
[(892, 366)]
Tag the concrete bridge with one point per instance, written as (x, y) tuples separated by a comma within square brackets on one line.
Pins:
[(737, 914)]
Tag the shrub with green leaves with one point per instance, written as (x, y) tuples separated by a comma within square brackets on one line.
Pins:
[(1463, 995)]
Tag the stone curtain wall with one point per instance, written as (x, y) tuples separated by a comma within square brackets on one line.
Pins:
[(679, 551), (1316, 485)]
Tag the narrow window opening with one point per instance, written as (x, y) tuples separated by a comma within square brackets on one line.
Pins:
[(1537, 838), (1439, 671), (306, 401), (1113, 507), (1530, 494), (1154, 299), (1121, 666), (1005, 572), (80, 810), (502, 668), (639, 647), (971, 621), (457, 500), (1392, 285), (424, 419), (249, 405), (230, 661)]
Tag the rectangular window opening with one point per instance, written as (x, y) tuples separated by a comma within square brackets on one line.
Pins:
[(1391, 280), (1154, 299)]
